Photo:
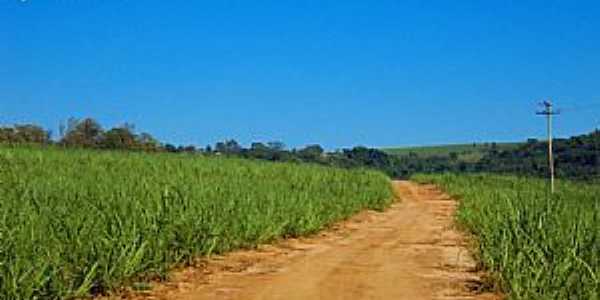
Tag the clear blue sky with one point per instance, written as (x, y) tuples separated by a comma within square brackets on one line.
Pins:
[(339, 73)]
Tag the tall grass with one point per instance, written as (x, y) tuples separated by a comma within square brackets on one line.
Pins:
[(79, 222), (540, 246)]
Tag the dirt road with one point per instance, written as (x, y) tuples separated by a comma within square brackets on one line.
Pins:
[(410, 251)]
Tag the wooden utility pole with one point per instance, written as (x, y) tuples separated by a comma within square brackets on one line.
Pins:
[(549, 112)]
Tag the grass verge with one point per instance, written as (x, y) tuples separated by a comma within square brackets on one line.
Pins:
[(538, 246)]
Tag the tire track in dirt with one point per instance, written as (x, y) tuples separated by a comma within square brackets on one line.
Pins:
[(410, 251)]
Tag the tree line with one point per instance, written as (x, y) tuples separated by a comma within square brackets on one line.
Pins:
[(577, 157), (88, 133), (81, 133)]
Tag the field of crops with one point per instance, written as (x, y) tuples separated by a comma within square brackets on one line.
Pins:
[(536, 245), (79, 222)]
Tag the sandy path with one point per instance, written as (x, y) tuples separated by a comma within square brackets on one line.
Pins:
[(410, 251)]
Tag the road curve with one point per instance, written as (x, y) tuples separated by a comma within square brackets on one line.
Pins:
[(410, 251)]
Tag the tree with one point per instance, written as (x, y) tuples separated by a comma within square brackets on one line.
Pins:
[(32, 134), (83, 133), (24, 134), (261, 151), (7, 135), (188, 149), (170, 148), (118, 138), (146, 142), (453, 156), (368, 157), (259, 147), (311, 153), (228, 147)]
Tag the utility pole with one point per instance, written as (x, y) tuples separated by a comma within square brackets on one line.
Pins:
[(596, 136), (549, 112)]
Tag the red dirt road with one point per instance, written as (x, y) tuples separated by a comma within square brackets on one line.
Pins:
[(410, 251)]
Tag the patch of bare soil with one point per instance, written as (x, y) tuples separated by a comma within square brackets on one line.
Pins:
[(410, 251)]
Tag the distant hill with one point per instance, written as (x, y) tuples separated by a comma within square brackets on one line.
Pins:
[(577, 157), (464, 152)]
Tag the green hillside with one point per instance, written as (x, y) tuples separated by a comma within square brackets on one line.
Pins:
[(465, 152)]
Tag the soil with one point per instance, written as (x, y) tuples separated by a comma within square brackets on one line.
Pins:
[(409, 251)]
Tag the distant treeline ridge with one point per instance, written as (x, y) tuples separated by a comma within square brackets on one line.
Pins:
[(577, 157)]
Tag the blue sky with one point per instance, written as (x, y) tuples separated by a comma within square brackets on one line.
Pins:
[(338, 73)]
